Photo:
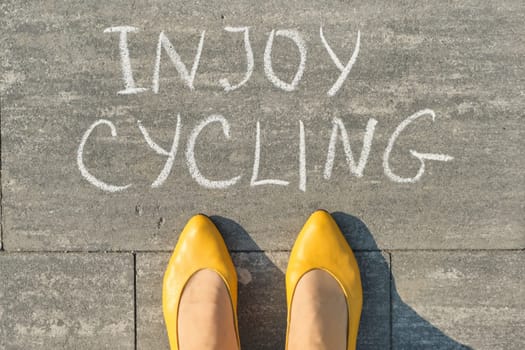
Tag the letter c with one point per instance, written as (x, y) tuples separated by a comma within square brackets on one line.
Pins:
[(80, 160)]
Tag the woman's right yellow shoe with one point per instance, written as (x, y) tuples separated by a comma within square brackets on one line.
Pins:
[(200, 246), (321, 245)]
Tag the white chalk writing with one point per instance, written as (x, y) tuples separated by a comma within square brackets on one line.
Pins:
[(356, 166)]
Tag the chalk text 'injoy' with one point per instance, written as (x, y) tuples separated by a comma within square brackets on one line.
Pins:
[(188, 77)]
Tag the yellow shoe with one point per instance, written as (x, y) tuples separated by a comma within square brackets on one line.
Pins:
[(321, 245), (200, 246)]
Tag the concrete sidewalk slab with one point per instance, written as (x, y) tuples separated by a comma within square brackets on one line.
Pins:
[(262, 300), (66, 301), (444, 299), (62, 72)]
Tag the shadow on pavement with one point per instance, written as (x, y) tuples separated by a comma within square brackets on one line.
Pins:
[(411, 330), (262, 298), (262, 295)]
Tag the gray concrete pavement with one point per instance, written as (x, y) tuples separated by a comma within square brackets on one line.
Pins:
[(441, 256), (66, 301), (473, 296), (62, 73)]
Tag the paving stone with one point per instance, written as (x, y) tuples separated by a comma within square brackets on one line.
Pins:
[(457, 300), (66, 301), (61, 73), (262, 301)]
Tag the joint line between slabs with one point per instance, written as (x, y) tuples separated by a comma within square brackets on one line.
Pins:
[(164, 251), (135, 301)]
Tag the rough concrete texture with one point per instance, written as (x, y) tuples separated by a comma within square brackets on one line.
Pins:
[(66, 301), (456, 236), (262, 300), (61, 73), (477, 297)]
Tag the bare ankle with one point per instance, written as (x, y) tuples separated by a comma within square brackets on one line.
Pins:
[(206, 308), (319, 314)]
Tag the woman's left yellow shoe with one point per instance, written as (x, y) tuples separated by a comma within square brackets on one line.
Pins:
[(200, 246)]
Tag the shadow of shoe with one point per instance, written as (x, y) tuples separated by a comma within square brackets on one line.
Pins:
[(262, 295), (411, 331)]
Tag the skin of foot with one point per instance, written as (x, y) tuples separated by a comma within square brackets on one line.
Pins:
[(205, 319), (319, 314)]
